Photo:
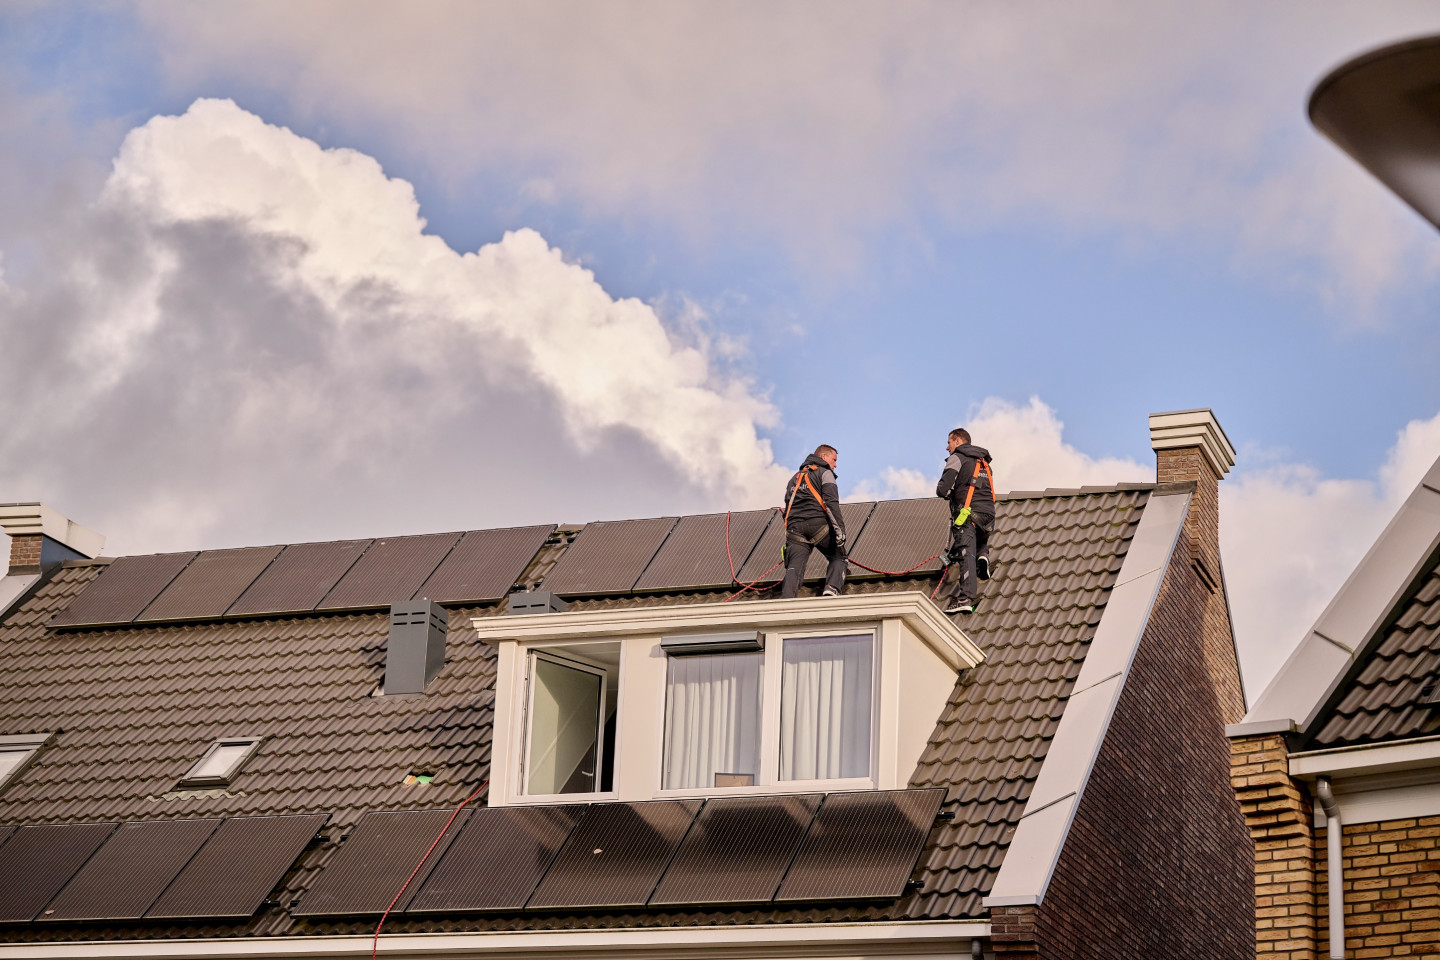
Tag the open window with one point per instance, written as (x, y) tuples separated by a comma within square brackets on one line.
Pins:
[(570, 711), (16, 752), (221, 762)]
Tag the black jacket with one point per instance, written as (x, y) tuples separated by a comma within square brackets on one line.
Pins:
[(959, 468), (804, 506)]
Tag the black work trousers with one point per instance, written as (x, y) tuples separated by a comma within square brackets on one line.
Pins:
[(802, 536), (967, 542)]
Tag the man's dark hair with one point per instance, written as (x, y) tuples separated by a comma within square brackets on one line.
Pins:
[(960, 433), (823, 449)]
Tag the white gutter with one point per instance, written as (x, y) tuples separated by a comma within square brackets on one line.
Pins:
[(891, 938), (1366, 759), (1335, 872)]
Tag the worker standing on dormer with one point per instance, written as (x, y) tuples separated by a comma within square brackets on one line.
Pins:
[(812, 519), (970, 487)]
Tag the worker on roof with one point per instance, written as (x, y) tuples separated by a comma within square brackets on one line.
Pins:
[(812, 519), (970, 487)]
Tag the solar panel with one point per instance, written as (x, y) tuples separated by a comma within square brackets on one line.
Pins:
[(484, 565), (901, 533), (767, 551), (608, 556), (38, 860), (498, 859), (240, 863), (694, 557), (862, 846), (615, 855), (390, 571), (125, 588), (5, 832), (135, 865), (737, 851), (371, 867), (299, 578), (212, 582)]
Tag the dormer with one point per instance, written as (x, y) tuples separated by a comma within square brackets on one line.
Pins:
[(767, 697)]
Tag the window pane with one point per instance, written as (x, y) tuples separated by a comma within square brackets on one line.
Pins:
[(219, 762), (825, 708), (564, 729), (712, 718), (10, 759)]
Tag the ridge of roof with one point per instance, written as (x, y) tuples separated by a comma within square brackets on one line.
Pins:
[(1050, 492)]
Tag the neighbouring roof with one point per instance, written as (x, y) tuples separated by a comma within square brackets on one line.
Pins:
[(136, 705), (1357, 675)]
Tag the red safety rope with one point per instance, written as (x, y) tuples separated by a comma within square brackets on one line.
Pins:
[(375, 943)]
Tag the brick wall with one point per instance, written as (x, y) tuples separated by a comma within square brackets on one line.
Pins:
[(1158, 861), (25, 551), (1202, 541), (1279, 815), (1392, 888)]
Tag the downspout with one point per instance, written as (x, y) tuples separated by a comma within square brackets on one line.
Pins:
[(1334, 874)]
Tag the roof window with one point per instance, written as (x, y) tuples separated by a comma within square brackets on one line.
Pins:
[(16, 752), (219, 764)]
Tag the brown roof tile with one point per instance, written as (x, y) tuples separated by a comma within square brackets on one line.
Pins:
[(137, 706)]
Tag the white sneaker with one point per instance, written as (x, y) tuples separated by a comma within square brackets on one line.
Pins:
[(960, 606), (830, 592)]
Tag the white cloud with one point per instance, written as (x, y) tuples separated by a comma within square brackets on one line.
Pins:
[(259, 332), (824, 123), (1291, 535)]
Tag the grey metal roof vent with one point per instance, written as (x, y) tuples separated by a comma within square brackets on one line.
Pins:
[(536, 601), (416, 650)]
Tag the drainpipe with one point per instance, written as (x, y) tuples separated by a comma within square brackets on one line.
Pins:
[(1335, 876)]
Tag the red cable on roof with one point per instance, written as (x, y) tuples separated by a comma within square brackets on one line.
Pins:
[(375, 943)]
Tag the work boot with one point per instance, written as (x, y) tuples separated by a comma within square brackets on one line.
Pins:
[(982, 568), (830, 592)]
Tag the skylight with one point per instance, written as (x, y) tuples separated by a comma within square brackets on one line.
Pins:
[(219, 764)]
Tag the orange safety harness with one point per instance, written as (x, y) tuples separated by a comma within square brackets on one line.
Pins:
[(964, 513)]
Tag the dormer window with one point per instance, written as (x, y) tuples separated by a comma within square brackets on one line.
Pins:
[(775, 696), (219, 764)]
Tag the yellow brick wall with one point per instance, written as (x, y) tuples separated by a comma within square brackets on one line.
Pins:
[(1278, 813), (1392, 888)]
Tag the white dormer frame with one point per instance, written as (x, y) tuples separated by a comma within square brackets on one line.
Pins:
[(918, 653)]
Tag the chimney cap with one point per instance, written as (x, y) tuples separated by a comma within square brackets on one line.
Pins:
[(1193, 428), (27, 519)]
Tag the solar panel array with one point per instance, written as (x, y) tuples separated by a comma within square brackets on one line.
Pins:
[(477, 567), (607, 558), (170, 869), (728, 850)]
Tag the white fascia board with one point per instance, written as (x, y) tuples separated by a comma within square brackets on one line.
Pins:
[(1035, 849), (902, 938), (1353, 618), (21, 519), (911, 607), (1367, 759)]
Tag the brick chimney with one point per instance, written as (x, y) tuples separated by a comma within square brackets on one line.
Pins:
[(1191, 447), (41, 538)]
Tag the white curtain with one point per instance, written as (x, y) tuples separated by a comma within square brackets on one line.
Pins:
[(825, 722), (712, 718)]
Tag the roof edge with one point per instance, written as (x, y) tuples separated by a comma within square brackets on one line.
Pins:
[(1352, 623), (1044, 826)]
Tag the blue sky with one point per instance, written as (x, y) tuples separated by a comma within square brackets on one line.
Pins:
[(863, 226)]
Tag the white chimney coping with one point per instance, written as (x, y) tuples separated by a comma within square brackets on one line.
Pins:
[(24, 519), (1193, 428)]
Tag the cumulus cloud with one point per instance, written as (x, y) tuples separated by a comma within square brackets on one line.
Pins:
[(256, 337), (1290, 533), (823, 123)]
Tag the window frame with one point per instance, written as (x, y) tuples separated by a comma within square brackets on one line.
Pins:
[(192, 781), (767, 781), (533, 654), (30, 744)]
